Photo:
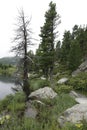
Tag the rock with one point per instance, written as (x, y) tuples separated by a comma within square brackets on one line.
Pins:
[(63, 80), (75, 114), (39, 102), (56, 75), (43, 78), (45, 92), (30, 112), (81, 100), (76, 72), (78, 97), (81, 68), (74, 94)]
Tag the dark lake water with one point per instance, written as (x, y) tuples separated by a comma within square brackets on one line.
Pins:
[(6, 85)]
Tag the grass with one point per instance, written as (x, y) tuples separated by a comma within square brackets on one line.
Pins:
[(38, 83), (47, 114), (8, 71), (47, 118)]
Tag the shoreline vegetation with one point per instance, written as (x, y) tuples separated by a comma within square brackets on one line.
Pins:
[(51, 67), (13, 107)]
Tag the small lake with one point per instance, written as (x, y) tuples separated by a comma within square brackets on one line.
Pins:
[(6, 85)]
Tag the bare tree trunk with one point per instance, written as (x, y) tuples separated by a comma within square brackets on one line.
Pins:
[(26, 85), (23, 40)]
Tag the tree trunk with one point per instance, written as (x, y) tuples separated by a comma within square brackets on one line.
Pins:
[(26, 85)]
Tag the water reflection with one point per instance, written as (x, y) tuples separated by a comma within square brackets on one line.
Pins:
[(6, 84)]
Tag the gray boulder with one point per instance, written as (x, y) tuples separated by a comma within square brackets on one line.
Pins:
[(74, 94), (78, 97), (74, 115), (81, 68), (63, 80), (43, 78), (45, 92), (30, 111)]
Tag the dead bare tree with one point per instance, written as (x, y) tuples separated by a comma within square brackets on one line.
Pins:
[(23, 40)]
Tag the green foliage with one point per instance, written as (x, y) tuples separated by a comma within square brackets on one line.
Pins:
[(65, 47), (63, 88), (58, 51), (77, 126), (38, 83), (16, 107), (47, 114), (46, 49), (79, 82), (53, 108), (18, 103), (74, 59), (7, 70), (13, 103), (5, 102), (74, 46)]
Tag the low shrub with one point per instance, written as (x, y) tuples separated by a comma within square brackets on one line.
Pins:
[(5, 102), (18, 102), (38, 83), (79, 82), (47, 114), (77, 126), (63, 88), (54, 107), (13, 103)]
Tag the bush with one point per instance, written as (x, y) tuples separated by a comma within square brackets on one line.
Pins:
[(79, 82), (63, 88), (18, 102), (13, 103), (16, 107), (5, 102), (54, 107), (38, 83)]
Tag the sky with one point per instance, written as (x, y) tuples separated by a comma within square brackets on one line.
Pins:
[(71, 12)]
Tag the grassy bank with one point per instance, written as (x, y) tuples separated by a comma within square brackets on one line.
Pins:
[(7, 71), (14, 105)]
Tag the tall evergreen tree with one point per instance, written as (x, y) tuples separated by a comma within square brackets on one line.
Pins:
[(58, 51), (74, 59), (48, 35), (66, 47)]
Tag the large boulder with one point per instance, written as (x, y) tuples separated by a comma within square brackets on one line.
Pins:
[(78, 97), (81, 68), (74, 115), (41, 93), (63, 80)]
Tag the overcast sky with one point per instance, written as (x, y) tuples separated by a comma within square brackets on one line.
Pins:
[(71, 11)]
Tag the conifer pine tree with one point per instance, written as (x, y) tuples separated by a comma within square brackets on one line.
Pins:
[(58, 51), (74, 56), (48, 35), (67, 38)]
